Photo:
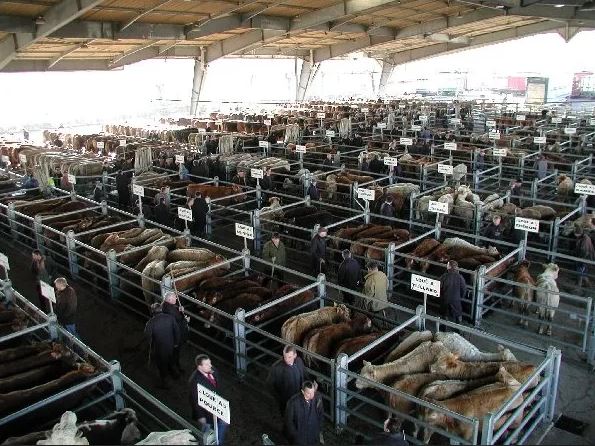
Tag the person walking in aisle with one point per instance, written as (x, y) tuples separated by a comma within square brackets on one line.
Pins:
[(452, 290), (274, 252), (286, 377), (318, 252), (349, 276), (163, 334), (172, 307), (304, 416), (66, 304), (43, 268)]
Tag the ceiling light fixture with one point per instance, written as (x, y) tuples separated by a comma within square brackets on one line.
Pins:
[(559, 6), (459, 15), (40, 20), (588, 6)]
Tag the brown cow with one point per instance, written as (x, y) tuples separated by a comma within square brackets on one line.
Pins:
[(215, 192)]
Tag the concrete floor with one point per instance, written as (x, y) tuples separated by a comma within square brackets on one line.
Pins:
[(253, 411)]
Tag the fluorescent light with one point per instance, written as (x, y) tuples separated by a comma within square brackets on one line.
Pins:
[(559, 6)]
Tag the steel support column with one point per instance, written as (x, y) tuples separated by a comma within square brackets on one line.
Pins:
[(387, 71), (200, 73), (307, 75)]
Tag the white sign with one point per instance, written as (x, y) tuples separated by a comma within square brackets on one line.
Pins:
[(122, 142), (365, 110), (71, 178), (381, 125), (4, 262), (446, 169), (179, 159), (300, 149), (521, 117), (267, 122), (138, 190), (438, 207), (423, 118), (321, 115), (557, 120), (582, 188), (450, 146), (202, 130), (499, 152), (23, 159), (490, 123), (184, 213), (100, 144), (5, 159), (47, 291), (390, 161), (270, 116), (256, 173), (455, 121), (406, 141), (425, 285), (539, 140), (330, 133), (213, 403), (416, 128), (264, 144), (244, 231), (526, 224), (366, 194), (592, 121), (494, 135), (219, 122), (570, 131)]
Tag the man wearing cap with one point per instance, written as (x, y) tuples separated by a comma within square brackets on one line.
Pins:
[(274, 251), (318, 252), (375, 287), (349, 276)]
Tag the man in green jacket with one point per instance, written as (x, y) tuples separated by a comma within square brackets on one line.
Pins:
[(376, 286), (274, 252)]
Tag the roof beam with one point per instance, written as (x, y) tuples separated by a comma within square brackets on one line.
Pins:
[(341, 49), (242, 42), (550, 12), (55, 18), (14, 24), (144, 13), (128, 57), (17, 66), (71, 50)]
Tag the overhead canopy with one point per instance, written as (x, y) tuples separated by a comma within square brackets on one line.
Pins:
[(42, 35)]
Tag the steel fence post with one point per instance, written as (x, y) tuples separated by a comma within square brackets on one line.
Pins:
[(479, 296), (8, 292), (554, 233), (258, 196), (116, 377), (354, 187), (487, 428), (340, 391), (257, 230), (477, 222), (11, 215), (38, 226), (555, 356), (103, 205), (112, 269), (321, 288), (239, 332), (367, 212), (438, 229), (72, 257), (390, 264), (421, 318), (165, 285), (246, 261), (216, 181), (411, 209), (53, 326)]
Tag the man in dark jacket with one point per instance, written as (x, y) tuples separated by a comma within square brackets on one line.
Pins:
[(207, 377), (43, 268), (266, 183), (66, 304), (493, 231), (452, 290), (161, 213), (349, 276), (170, 306), (240, 178), (387, 209), (304, 415), (313, 191), (200, 208), (122, 182), (392, 435), (516, 191), (286, 377), (376, 165), (163, 334), (318, 252)]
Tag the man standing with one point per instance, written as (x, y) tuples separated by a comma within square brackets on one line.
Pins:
[(452, 291), (387, 209), (162, 195), (376, 165), (349, 276), (318, 252), (170, 306), (313, 191), (66, 303), (516, 191), (375, 287), (286, 377), (328, 162), (493, 231), (479, 160), (541, 166), (163, 335), (161, 213), (304, 415), (266, 183), (209, 378), (43, 268), (200, 208), (274, 252), (240, 178), (122, 182)]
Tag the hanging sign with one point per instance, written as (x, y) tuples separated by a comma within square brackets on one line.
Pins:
[(539, 140), (423, 118), (184, 213), (390, 161), (406, 141), (365, 110), (416, 128), (570, 131), (257, 173), (490, 123), (366, 194), (494, 135), (202, 130), (138, 190), (300, 149), (450, 146), (100, 144), (5, 159), (179, 159), (584, 189), (122, 142), (321, 115), (4, 262), (213, 403), (244, 231), (381, 125), (446, 169), (219, 122), (425, 285), (592, 121), (526, 224), (47, 291), (267, 122), (23, 159), (455, 121), (521, 117), (557, 120), (264, 144), (499, 152), (71, 178), (438, 207), (330, 133)]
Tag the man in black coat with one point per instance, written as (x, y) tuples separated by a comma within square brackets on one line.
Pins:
[(122, 183), (313, 191), (349, 276), (376, 165), (304, 415), (286, 377), (452, 290), (318, 252), (170, 306), (200, 208), (391, 436), (161, 213), (516, 192), (387, 209), (266, 183), (206, 376), (493, 231), (163, 334)]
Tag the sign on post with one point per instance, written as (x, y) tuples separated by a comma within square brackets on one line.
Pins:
[(122, 142), (438, 207), (557, 120), (570, 131), (416, 128), (366, 194), (244, 231), (494, 135), (180, 159), (300, 149), (213, 403), (499, 152), (4, 262), (47, 291), (184, 213), (257, 173), (584, 189), (406, 141), (455, 121), (592, 121), (539, 140), (450, 146), (138, 190), (425, 285), (521, 117), (526, 224), (491, 123), (365, 110), (381, 125), (330, 133), (264, 144), (423, 118), (321, 115), (446, 169), (71, 178), (5, 159), (22, 159), (267, 122), (100, 145), (390, 161)]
